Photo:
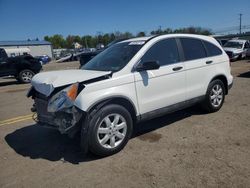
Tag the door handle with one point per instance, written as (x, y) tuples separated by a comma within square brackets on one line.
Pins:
[(177, 68), (209, 62)]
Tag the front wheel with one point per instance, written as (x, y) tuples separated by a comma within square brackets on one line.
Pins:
[(110, 129), (215, 96), (25, 76)]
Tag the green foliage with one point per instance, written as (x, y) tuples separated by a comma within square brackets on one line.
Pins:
[(89, 41), (57, 41), (141, 34)]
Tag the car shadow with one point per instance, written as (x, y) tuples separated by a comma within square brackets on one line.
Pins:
[(40, 143), (157, 123), (244, 75)]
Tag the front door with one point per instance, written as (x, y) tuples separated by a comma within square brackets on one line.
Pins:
[(165, 86)]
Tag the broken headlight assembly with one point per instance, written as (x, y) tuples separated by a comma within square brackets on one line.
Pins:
[(63, 99)]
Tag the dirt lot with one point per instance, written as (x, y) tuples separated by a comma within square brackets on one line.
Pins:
[(183, 149)]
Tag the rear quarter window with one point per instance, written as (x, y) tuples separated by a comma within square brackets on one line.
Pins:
[(212, 50)]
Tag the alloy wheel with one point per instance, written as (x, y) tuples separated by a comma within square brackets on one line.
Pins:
[(27, 76), (216, 95), (112, 131)]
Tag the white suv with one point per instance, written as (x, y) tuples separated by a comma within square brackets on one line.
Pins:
[(131, 81)]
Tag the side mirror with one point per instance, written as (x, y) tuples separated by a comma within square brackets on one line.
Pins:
[(148, 65)]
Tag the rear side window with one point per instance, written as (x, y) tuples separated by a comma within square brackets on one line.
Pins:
[(193, 48), (165, 52), (212, 50)]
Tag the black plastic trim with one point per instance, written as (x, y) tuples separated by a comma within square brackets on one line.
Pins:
[(230, 86), (169, 109)]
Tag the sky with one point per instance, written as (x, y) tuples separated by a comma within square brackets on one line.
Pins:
[(31, 19)]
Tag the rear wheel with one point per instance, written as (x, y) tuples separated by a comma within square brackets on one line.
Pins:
[(110, 129), (25, 76), (215, 96)]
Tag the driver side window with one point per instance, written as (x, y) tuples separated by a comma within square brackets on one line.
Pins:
[(164, 51)]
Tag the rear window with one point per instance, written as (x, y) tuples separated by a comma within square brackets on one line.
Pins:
[(193, 48), (212, 50)]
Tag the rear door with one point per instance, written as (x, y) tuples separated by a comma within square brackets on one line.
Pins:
[(200, 60), (163, 87)]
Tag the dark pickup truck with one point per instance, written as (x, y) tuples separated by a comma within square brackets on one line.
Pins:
[(23, 68)]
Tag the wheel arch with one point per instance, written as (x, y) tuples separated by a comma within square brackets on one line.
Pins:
[(22, 65), (120, 100), (223, 78)]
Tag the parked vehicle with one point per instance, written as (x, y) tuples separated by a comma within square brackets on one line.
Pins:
[(13, 52), (44, 59), (222, 42), (131, 81), (237, 49), (23, 68)]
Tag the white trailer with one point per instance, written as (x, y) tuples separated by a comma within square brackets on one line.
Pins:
[(12, 52)]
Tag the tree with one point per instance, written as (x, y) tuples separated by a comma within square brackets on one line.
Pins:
[(70, 39), (89, 41), (56, 40), (141, 34)]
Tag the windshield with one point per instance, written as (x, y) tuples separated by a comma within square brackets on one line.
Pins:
[(232, 44), (113, 58)]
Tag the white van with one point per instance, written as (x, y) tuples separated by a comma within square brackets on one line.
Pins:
[(13, 52)]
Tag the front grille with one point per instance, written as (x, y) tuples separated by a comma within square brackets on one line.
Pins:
[(42, 114)]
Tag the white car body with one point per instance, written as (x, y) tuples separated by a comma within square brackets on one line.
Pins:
[(192, 81), (146, 94)]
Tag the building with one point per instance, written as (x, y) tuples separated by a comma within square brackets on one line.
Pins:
[(77, 45), (37, 48)]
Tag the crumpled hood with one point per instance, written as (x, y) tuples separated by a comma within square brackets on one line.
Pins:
[(46, 82), (234, 50)]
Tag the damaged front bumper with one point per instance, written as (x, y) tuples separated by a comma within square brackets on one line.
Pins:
[(65, 120)]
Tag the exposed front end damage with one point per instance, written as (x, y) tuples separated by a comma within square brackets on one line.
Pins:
[(66, 120), (54, 104), (62, 120)]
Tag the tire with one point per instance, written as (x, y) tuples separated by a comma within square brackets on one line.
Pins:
[(25, 76), (110, 128), (215, 96)]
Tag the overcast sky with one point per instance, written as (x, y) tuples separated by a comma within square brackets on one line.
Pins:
[(23, 19)]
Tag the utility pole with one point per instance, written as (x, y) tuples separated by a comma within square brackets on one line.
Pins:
[(240, 21), (159, 30)]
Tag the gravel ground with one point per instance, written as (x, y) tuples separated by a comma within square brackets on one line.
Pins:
[(184, 149)]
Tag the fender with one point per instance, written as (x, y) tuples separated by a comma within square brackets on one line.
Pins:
[(104, 101)]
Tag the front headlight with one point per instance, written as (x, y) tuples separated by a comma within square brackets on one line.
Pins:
[(63, 99)]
